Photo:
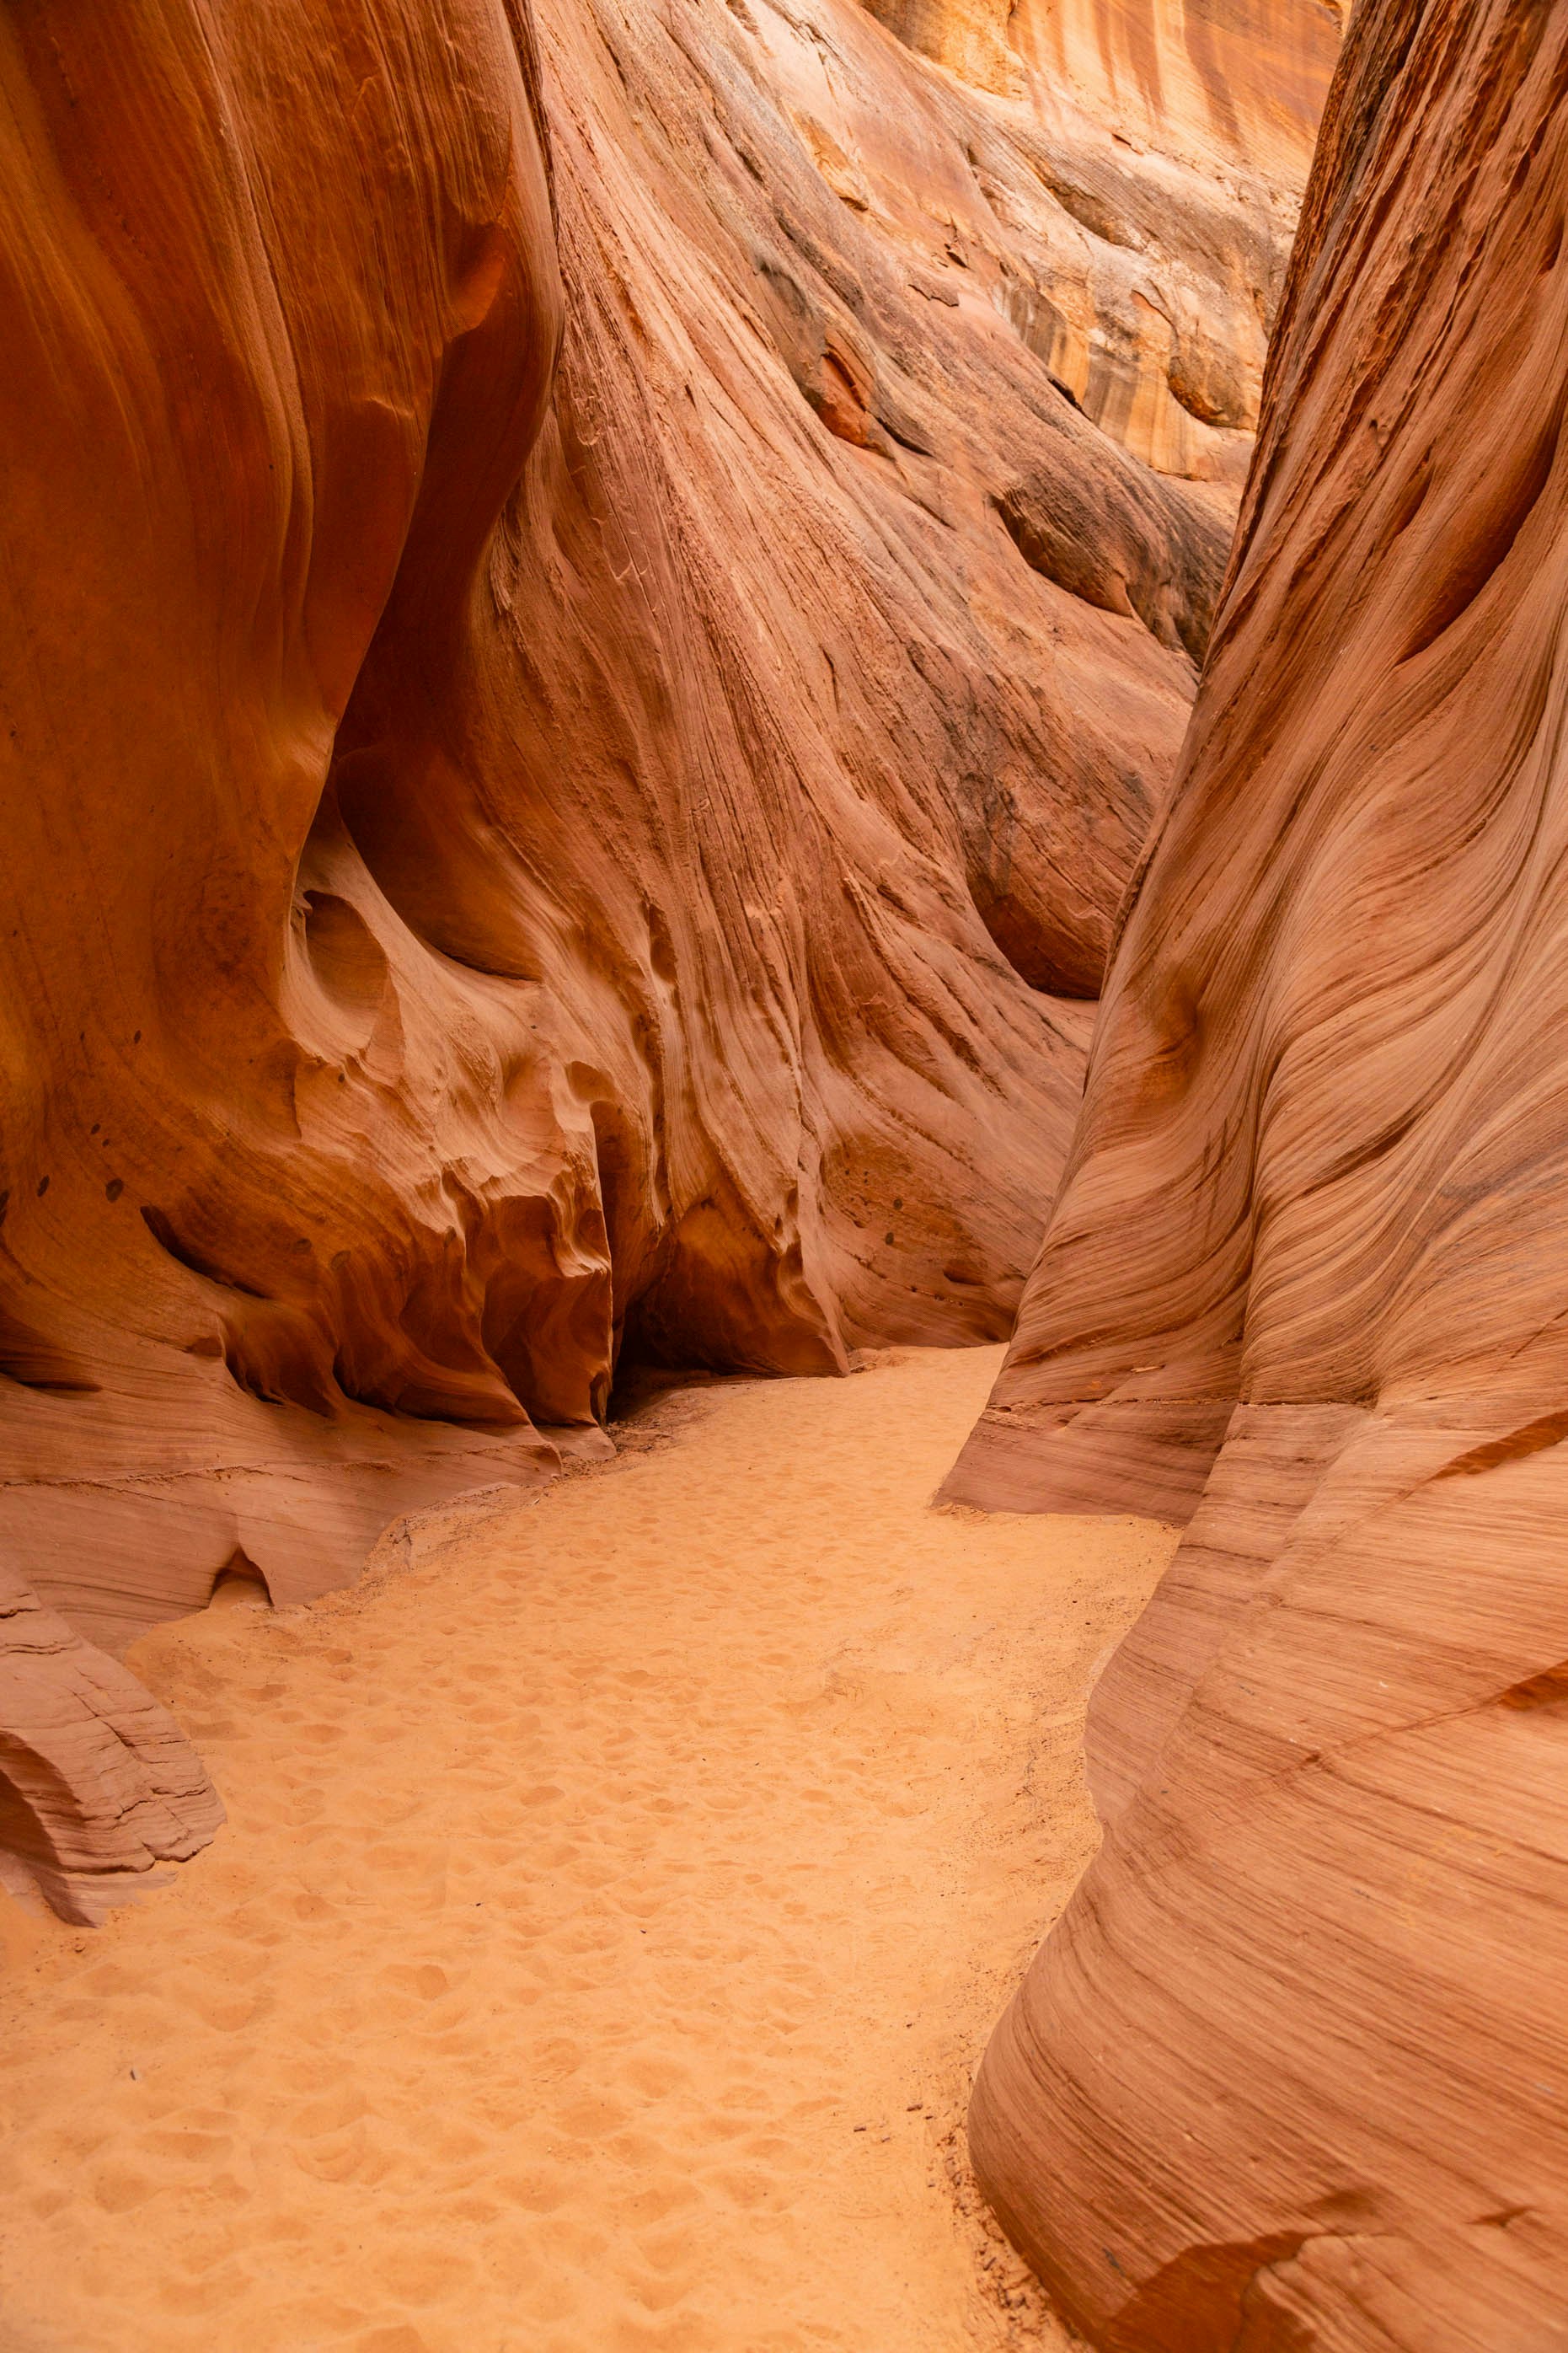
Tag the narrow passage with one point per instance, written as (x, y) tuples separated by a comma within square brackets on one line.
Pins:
[(614, 1904)]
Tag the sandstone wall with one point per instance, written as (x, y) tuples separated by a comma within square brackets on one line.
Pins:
[(1175, 141), (585, 692), (1290, 2071)]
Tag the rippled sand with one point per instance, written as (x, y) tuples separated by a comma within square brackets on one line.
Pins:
[(613, 1907)]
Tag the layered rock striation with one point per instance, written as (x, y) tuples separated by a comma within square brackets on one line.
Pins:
[(1290, 2071), (599, 609)]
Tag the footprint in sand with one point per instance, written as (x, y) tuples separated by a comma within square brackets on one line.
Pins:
[(608, 1920)]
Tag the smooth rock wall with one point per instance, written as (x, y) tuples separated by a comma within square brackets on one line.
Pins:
[(585, 692), (1291, 2069)]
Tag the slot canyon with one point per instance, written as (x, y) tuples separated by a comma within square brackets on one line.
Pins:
[(778, 1154)]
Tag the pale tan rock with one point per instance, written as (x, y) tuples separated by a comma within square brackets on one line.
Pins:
[(1169, 142), (1292, 2071)]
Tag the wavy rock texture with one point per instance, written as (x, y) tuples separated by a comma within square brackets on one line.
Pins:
[(97, 1784), (1292, 2069), (514, 853)]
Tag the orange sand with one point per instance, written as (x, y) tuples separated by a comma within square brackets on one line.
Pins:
[(613, 1906)]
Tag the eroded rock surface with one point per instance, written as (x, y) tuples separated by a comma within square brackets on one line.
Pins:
[(1291, 2069), (97, 1784), (517, 850)]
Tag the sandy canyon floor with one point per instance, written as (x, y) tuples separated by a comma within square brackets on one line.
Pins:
[(615, 1898)]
